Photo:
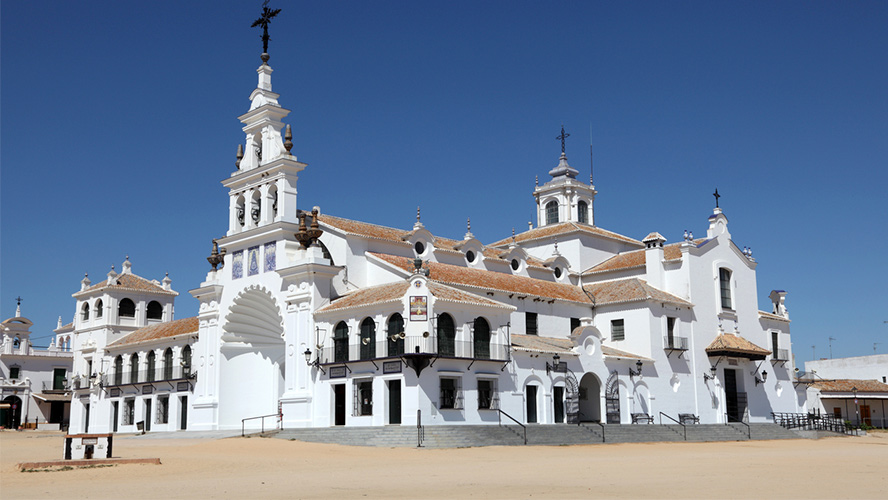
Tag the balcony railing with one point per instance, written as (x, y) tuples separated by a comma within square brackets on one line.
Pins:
[(781, 355), (52, 386), (148, 376), (463, 349), (675, 343)]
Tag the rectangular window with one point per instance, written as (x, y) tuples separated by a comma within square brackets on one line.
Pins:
[(574, 324), (724, 278), (450, 397), (530, 320), (363, 404), (129, 411), (14, 372), (617, 330), (774, 344), (487, 398)]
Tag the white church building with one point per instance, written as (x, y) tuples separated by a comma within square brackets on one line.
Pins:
[(325, 321)]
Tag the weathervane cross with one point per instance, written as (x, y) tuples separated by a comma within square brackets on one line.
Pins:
[(717, 196), (263, 21), (562, 137), (18, 300)]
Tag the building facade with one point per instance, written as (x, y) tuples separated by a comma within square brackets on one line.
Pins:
[(326, 321)]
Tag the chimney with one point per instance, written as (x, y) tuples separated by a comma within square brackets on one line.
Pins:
[(653, 259)]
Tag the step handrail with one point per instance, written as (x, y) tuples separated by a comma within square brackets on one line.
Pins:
[(748, 428), (420, 430), (683, 426), (263, 417), (523, 427)]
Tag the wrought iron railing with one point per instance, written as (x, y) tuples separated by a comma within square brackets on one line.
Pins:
[(381, 349), (811, 422), (420, 430), (684, 428), (50, 386), (675, 343), (263, 417), (781, 355), (149, 376), (728, 421), (523, 427)]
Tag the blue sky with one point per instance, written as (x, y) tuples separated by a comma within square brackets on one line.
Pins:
[(119, 120)]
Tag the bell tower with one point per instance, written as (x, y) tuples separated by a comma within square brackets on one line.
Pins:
[(262, 189), (564, 198)]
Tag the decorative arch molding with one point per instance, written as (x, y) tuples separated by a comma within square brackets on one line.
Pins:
[(254, 318)]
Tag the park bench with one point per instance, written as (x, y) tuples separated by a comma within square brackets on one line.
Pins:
[(688, 418), (642, 418)]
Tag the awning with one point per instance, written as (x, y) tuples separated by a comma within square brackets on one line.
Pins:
[(66, 398), (735, 346)]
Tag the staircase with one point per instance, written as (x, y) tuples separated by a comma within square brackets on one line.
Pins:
[(459, 436)]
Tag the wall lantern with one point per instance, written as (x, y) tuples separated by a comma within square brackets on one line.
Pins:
[(711, 375), (637, 371)]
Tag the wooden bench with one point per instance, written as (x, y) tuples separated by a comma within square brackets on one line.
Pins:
[(688, 418), (642, 418)]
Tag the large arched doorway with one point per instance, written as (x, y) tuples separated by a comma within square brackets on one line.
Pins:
[(590, 398), (251, 371), (11, 412)]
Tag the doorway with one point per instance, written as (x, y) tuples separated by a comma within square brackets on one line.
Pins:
[(531, 404), (115, 410), (558, 397), (590, 399), (339, 404), (183, 417), (732, 401), (394, 387), (86, 419), (865, 416), (11, 416), (147, 415)]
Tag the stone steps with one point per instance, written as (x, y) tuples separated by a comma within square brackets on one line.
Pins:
[(457, 436)]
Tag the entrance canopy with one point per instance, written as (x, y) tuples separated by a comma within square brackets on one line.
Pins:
[(735, 346), (65, 398)]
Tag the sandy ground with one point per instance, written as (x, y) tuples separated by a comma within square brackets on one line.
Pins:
[(840, 467)]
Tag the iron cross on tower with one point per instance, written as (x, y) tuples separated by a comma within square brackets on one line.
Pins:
[(562, 137), (263, 21), (717, 196)]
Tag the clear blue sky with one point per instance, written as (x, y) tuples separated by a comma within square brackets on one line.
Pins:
[(119, 121)]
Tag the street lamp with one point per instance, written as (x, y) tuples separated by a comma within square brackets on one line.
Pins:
[(856, 406)]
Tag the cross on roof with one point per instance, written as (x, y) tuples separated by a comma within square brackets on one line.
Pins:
[(717, 196), (18, 301), (562, 137), (263, 21)]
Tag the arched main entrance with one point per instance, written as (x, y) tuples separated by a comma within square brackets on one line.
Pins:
[(11, 412), (590, 398)]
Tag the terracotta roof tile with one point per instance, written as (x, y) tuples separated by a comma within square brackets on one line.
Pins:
[(363, 228), (630, 290), (846, 385), (535, 343), (728, 344), (565, 228), (490, 280), (159, 331), (129, 281), (393, 292), (616, 353), (635, 258)]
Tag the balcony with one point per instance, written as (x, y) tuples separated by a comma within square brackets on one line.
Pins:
[(148, 376), (412, 345), (54, 387), (675, 344)]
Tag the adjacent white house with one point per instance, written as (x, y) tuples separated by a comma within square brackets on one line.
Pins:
[(34, 382), (325, 321), (853, 389)]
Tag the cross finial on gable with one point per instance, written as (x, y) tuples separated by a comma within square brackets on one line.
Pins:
[(562, 137), (717, 196)]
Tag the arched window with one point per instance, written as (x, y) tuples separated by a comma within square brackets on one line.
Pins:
[(155, 310), (368, 339), (446, 336), (134, 368), (152, 366), (99, 308), (583, 212), (395, 329), (481, 342), (168, 364), (239, 210), (84, 312), (186, 361), (16, 342), (724, 281), (118, 370), (127, 309), (340, 343), (552, 212)]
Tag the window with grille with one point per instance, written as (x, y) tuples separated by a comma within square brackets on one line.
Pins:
[(618, 331), (368, 339), (530, 320), (583, 212), (340, 343), (134, 368), (129, 411), (363, 393), (126, 309), (552, 212), (446, 335), (724, 279), (481, 340), (487, 396), (450, 396), (163, 410)]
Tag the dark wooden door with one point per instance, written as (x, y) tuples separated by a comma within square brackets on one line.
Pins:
[(183, 421), (731, 402), (531, 404), (394, 401), (339, 404), (558, 396), (147, 415), (115, 410)]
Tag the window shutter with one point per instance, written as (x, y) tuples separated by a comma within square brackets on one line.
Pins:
[(356, 406)]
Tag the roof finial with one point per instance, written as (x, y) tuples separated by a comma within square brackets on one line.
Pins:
[(469, 224), (239, 155), (717, 196), (536, 180), (263, 21), (288, 139), (18, 306), (562, 137), (591, 156), (417, 213)]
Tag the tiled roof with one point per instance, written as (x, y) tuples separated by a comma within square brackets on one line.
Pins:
[(635, 258), (630, 290), (775, 317), (363, 228), (490, 280), (159, 331), (846, 385), (129, 281), (616, 353), (533, 343), (393, 292), (565, 228), (728, 344)]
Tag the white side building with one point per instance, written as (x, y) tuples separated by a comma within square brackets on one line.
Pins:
[(326, 321)]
